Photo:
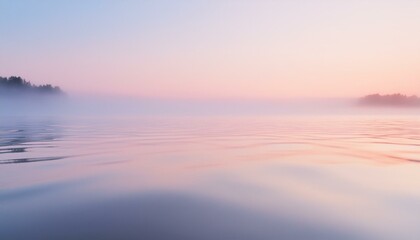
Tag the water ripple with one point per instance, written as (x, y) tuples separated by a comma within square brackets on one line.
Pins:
[(366, 138), (29, 160)]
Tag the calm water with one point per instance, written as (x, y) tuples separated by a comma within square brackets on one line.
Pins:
[(210, 178)]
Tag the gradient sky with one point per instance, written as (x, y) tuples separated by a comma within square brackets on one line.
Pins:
[(214, 48)]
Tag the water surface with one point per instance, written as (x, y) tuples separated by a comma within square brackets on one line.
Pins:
[(303, 177)]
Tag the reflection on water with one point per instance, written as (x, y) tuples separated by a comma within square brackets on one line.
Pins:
[(210, 178)]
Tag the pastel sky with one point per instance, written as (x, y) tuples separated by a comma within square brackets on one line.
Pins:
[(214, 48)]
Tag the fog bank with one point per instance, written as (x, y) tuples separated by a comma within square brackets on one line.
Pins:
[(122, 106)]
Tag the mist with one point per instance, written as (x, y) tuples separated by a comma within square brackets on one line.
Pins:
[(85, 105)]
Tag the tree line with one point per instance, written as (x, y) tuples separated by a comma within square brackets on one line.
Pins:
[(390, 99), (16, 84)]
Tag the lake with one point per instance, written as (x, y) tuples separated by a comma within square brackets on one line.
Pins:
[(274, 177)]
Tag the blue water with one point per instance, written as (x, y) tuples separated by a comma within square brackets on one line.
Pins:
[(302, 177)]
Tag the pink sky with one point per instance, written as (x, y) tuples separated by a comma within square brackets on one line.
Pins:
[(215, 49)]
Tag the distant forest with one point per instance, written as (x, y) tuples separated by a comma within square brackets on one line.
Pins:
[(390, 100), (17, 85)]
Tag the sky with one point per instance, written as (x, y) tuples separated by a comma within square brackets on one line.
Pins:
[(214, 49)]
